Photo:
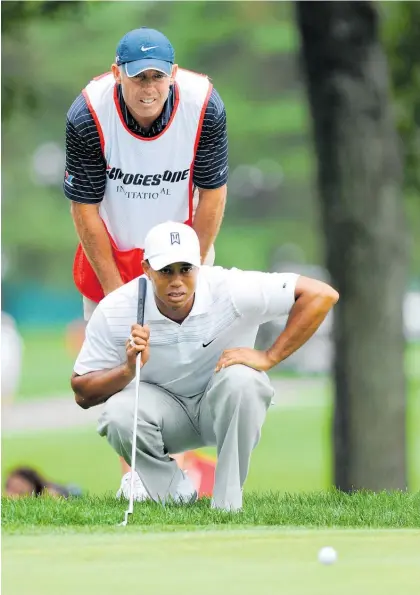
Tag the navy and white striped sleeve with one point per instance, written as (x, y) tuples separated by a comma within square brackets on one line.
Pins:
[(211, 161), (85, 176)]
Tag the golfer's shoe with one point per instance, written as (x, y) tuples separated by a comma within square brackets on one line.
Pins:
[(140, 493), (185, 491)]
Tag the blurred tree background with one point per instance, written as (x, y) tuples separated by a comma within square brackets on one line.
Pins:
[(359, 181), (250, 50)]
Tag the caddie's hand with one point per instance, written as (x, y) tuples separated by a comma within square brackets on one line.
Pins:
[(258, 360), (138, 342)]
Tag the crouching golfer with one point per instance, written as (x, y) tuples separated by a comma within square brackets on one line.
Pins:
[(202, 381)]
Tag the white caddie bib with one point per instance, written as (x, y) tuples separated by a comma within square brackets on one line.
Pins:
[(149, 180)]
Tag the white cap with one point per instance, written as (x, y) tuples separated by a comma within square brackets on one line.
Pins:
[(171, 242)]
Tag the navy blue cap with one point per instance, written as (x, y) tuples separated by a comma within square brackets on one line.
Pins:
[(144, 49)]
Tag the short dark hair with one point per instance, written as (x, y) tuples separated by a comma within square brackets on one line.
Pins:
[(33, 477)]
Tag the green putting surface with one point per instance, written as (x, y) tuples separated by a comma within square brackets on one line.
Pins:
[(238, 562)]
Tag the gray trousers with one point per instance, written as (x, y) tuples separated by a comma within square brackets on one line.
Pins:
[(228, 415)]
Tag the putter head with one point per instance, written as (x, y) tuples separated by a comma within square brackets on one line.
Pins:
[(125, 521)]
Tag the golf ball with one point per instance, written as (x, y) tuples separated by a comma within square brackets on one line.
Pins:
[(327, 555)]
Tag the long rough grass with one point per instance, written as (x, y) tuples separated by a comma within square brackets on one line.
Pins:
[(323, 509)]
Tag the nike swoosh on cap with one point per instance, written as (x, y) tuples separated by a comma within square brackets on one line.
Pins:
[(152, 47)]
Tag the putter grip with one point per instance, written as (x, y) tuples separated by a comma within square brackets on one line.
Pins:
[(141, 300)]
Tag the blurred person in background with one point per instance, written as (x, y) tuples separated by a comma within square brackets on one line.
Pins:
[(26, 481), (145, 143), (11, 358)]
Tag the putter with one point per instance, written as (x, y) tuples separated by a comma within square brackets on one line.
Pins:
[(140, 320)]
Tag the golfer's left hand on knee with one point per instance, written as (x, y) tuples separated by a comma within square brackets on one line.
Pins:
[(258, 360)]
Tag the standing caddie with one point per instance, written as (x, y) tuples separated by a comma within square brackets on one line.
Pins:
[(145, 143)]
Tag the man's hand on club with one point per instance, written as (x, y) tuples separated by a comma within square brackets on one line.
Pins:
[(258, 360), (137, 343)]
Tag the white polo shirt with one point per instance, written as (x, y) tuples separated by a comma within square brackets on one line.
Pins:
[(229, 306)]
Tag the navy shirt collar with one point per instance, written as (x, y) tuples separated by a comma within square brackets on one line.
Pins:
[(160, 122)]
